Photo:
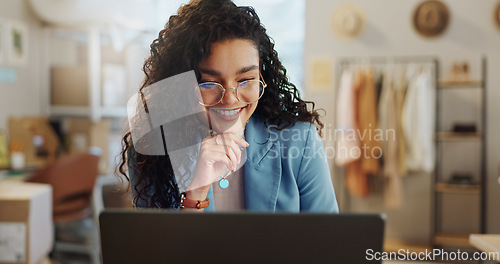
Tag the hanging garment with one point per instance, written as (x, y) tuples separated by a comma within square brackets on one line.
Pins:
[(346, 138), (419, 121), (348, 149), (378, 85), (370, 146), (400, 87), (388, 123), (357, 181), (356, 178)]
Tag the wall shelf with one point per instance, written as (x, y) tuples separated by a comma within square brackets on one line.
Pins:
[(61, 110), (441, 188), (460, 84), (455, 136), (458, 188), (85, 111), (93, 40)]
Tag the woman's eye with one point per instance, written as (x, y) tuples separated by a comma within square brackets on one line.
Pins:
[(246, 79), (208, 86)]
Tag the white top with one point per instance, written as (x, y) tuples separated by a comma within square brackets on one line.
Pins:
[(233, 197)]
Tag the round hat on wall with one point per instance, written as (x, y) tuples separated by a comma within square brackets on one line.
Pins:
[(348, 21), (497, 15), (431, 18)]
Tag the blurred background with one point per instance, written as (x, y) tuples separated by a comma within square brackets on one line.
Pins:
[(420, 75)]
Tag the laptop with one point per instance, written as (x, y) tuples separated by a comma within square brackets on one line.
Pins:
[(165, 236)]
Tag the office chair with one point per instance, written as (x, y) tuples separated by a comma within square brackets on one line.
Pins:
[(73, 179)]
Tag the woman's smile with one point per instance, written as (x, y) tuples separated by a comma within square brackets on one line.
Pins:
[(230, 114)]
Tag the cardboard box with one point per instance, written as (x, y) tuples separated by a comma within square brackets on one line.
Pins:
[(83, 133), (26, 229), (4, 152), (24, 131), (70, 86)]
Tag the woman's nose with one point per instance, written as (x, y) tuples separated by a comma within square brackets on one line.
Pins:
[(230, 97)]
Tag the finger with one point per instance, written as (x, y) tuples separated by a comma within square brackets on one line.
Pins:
[(209, 140), (238, 140), (212, 140), (235, 149), (234, 159), (220, 157), (231, 152), (227, 140)]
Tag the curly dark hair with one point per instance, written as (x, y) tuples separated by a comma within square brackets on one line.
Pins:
[(186, 40)]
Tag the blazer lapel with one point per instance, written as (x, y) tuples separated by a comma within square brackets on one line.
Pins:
[(262, 168)]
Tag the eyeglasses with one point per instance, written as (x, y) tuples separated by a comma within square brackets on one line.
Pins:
[(248, 92)]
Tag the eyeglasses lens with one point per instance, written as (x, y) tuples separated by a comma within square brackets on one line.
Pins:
[(247, 92)]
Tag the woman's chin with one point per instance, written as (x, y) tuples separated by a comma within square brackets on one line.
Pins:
[(225, 127)]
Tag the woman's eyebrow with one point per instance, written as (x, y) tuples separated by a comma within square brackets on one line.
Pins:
[(248, 68), (217, 73), (210, 72)]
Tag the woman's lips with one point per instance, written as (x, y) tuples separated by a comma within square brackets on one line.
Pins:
[(228, 114)]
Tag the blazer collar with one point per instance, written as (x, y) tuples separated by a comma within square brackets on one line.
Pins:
[(262, 168)]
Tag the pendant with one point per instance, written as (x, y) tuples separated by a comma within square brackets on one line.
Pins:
[(223, 183)]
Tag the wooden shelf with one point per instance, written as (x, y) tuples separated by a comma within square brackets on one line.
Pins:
[(393, 245), (79, 111), (455, 136), (85, 111), (452, 240), (458, 188), (460, 84)]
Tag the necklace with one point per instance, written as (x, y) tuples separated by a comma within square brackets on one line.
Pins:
[(223, 182)]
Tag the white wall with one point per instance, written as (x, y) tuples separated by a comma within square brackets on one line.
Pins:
[(21, 98), (471, 34)]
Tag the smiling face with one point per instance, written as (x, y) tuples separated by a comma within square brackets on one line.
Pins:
[(230, 63)]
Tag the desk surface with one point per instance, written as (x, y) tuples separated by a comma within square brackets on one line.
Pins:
[(486, 243)]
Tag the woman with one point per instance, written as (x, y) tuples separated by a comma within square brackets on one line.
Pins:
[(253, 112)]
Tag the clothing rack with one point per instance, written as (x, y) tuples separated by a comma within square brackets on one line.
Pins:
[(436, 197), (387, 60), (381, 61), (346, 62)]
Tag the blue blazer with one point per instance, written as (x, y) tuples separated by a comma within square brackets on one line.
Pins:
[(286, 170)]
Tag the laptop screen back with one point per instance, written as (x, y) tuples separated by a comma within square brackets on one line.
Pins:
[(160, 236)]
